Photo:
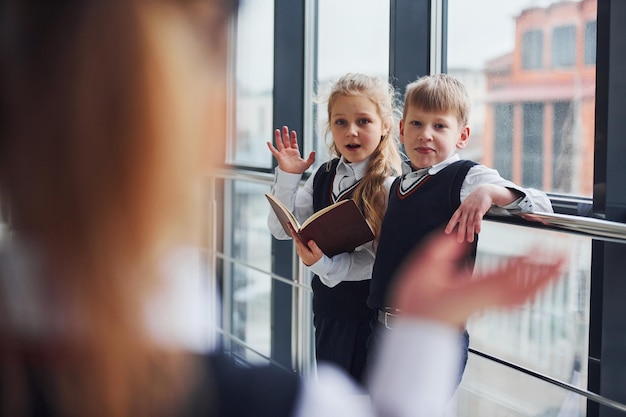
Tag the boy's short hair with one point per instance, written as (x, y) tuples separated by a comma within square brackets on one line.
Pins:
[(439, 92)]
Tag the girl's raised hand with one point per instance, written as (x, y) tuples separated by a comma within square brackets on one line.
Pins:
[(287, 153)]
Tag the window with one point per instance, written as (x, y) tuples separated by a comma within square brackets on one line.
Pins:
[(590, 43), (525, 114), (532, 50), (549, 334), (532, 148), (254, 75), (352, 36), (503, 153), (562, 146), (552, 333), (564, 46), (247, 291), (508, 62)]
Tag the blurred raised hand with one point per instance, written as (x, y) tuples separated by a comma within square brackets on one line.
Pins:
[(433, 285)]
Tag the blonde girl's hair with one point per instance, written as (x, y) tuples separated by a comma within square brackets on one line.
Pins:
[(385, 161), (440, 93)]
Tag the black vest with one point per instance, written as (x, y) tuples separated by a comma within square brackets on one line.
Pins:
[(348, 299), (411, 216)]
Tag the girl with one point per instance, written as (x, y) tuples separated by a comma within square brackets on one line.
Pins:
[(361, 121)]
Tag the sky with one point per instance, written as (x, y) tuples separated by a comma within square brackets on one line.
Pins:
[(479, 30), (353, 36)]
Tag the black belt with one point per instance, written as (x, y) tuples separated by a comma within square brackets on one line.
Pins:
[(387, 317)]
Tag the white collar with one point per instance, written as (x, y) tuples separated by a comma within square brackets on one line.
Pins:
[(434, 169), (352, 169)]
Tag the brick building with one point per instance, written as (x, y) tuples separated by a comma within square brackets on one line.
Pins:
[(539, 114)]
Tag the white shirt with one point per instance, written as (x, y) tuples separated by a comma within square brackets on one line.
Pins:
[(532, 200), (414, 377), (353, 266)]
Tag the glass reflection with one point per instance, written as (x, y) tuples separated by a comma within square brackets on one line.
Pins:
[(254, 84), (548, 335), (533, 109), (250, 289), (501, 391), (352, 36)]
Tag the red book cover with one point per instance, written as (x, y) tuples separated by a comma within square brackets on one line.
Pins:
[(340, 227)]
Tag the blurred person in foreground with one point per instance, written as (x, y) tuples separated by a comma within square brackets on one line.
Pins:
[(109, 112)]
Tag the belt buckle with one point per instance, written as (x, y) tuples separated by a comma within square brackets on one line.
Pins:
[(387, 320)]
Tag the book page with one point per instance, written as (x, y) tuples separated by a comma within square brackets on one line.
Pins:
[(285, 217), (321, 212)]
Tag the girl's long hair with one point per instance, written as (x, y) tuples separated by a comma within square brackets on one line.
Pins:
[(385, 161)]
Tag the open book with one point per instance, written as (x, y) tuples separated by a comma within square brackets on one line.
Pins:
[(337, 228)]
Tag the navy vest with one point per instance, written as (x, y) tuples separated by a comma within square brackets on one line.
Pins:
[(348, 299), (411, 216)]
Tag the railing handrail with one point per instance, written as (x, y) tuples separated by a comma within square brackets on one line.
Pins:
[(594, 228), (569, 387)]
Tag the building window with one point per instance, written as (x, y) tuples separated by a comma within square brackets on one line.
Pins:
[(503, 145), (532, 50), (590, 42), (532, 155), (562, 146), (564, 46)]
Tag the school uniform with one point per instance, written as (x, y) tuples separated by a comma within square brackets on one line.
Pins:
[(340, 313), (341, 283), (421, 202)]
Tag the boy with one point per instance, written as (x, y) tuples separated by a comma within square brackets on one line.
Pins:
[(440, 190)]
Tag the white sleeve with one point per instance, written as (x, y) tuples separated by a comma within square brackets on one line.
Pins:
[(333, 394), (414, 377), (416, 373), (533, 200), (182, 312), (347, 266), (298, 200)]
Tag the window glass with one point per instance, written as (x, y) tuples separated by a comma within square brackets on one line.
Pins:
[(532, 50), (352, 36), (502, 396), (548, 335), (254, 84), (503, 123), (532, 139), (562, 144), (590, 42), (533, 113), (249, 288), (564, 46)]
